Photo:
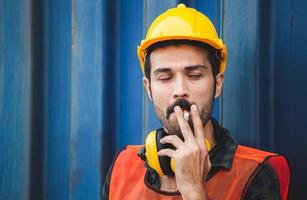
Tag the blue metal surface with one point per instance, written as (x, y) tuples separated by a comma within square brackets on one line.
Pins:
[(15, 99), (37, 102), (130, 90), (264, 94), (57, 102), (110, 84), (290, 105), (86, 101), (240, 34), (71, 92)]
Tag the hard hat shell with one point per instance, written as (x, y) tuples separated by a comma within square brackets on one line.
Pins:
[(182, 23)]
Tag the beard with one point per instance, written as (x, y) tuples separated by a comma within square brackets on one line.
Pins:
[(172, 126)]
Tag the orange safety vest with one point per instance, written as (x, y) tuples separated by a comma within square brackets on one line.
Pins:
[(128, 172)]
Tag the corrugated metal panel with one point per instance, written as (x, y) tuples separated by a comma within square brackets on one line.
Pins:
[(289, 101), (110, 84), (57, 101), (86, 103), (264, 94), (15, 98), (130, 83), (71, 91), (240, 88)]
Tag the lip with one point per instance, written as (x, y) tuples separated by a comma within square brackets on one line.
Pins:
[(183, 103)]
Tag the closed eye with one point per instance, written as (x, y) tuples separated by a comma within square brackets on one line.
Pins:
[(164, 78), (195, 76)]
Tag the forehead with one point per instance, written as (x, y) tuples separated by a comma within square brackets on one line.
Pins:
[(178, 56)]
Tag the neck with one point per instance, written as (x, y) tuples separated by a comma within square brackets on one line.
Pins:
[(209, 133), (168, 183)]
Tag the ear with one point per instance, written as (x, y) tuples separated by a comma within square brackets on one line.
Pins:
[(219, 80), (146, 84)]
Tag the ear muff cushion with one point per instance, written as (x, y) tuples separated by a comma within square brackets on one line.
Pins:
[(152, 152), (164, 160)]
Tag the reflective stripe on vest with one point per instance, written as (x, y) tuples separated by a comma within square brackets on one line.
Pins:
[(127, 178)]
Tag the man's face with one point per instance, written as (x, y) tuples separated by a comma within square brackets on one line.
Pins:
[(181, 72)]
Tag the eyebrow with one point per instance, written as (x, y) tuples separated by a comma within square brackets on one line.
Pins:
[(160, 70), (187, 68), (196, 67)]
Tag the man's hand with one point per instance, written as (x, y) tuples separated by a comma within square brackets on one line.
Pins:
[(191, 157)]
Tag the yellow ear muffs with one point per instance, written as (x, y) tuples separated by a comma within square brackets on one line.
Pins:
[(162, 165), (152, 152)]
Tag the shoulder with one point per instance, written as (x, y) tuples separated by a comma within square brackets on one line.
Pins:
[(129, 153), (271, 177), (264, 184), (278, 163), (131, 148), (249, 153)]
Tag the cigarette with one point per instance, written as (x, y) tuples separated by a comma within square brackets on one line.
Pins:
[(186, 115)]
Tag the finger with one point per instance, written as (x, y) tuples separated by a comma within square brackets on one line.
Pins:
[(208, 165), (198, 125), (183, 124), (206, 168), (167, 152), (172, 139)]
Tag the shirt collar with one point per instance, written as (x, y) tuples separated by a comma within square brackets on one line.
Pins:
[(222, 154)]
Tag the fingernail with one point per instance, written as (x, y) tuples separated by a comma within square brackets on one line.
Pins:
[(186, 115), (194, 107), (177, 108)]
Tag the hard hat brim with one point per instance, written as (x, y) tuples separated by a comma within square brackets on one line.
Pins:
[(142, 48)]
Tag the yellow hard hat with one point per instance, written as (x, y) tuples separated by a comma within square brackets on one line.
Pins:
[(183, 23)]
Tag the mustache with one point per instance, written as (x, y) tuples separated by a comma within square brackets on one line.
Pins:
[(183, 103)]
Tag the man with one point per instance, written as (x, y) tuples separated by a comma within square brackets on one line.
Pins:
[(192, 157)]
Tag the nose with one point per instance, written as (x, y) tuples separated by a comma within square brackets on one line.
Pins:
[(180, 89)]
